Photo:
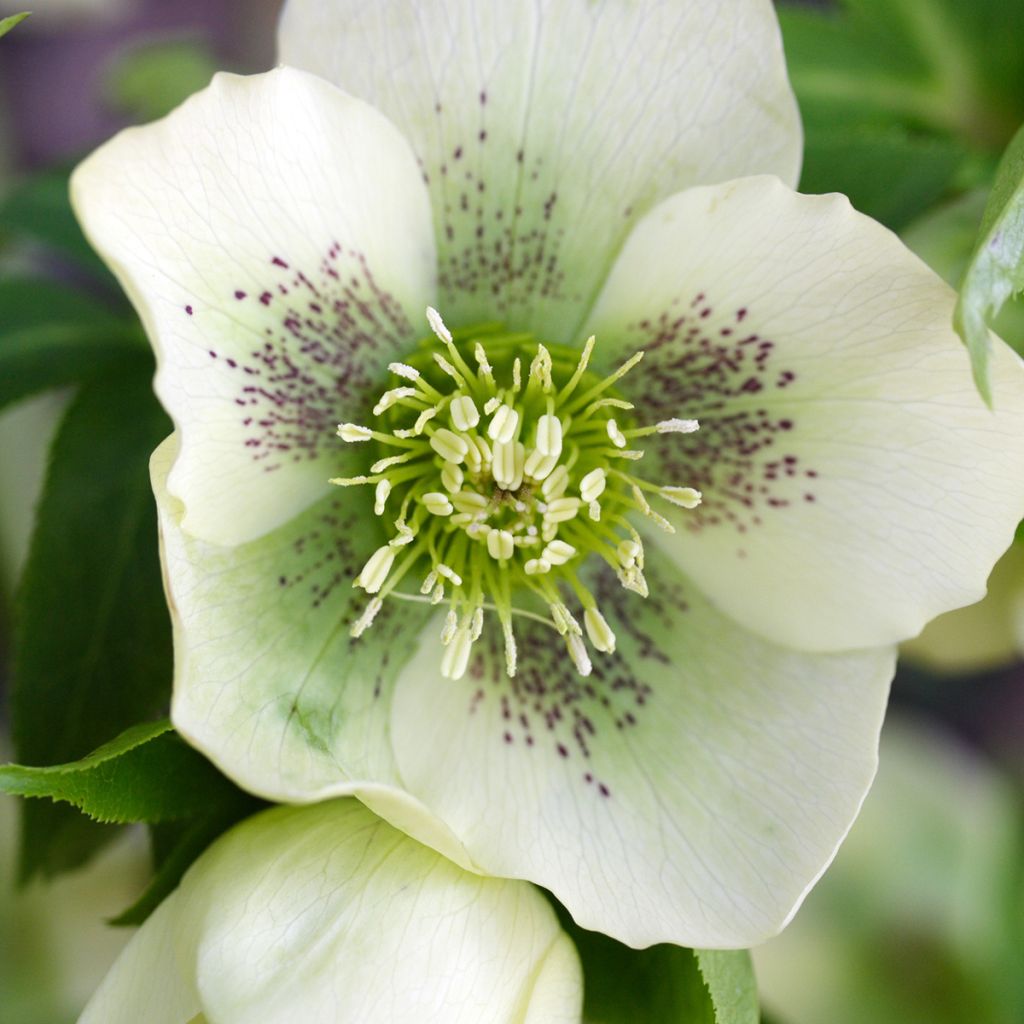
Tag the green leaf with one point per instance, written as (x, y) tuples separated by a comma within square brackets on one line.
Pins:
[(147, 774), (47, 356), (150, 79), (34, 301), (729, 977), (664, 984), (6, 24), (996, 270), (888, 172), (944, 66), (39, 209), (92, 637)]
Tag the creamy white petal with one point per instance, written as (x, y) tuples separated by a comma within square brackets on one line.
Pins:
[(690, 790), (275, 237), (545, 130), (982, 636), (268, 683), (327, 915), (854, 485), (150, 981)]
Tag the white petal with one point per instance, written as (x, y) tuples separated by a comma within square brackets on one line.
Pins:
[(983, 636), (327, 915), (690, 790), (268, 683), (151, 980), (547, 129), (275, 238), (854, 485)]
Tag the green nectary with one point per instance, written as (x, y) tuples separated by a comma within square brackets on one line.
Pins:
[(507, 465)]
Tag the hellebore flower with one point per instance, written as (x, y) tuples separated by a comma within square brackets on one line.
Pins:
[(678, 766), (327, 914)]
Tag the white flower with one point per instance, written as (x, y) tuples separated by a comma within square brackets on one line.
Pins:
[(327, 915), (281, 240)]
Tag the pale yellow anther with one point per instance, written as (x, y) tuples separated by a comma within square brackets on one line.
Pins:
[(422, 420), (594, 511), (484, 449), (404, 370), (511, 655), (600, 633), (464, 413), (593, 484), (486, 370), (491, 404), (392, 460), (578, 653), (539, 466), (380, 496), (450, 370), (451, 624), (469, 501), (628, 551), (389, 398), (456, 654), (405, 535), (437, 504), (500, 544), (549, 435), (437, 325), (452, 477), (558, 552), (363, 623), (503, 466), (675, 426), (684, 497), (352, 432), (561, 510), (503, 424), (449, 446), (477, 624), (429, 581), (449, 574), (438, 594), (556, 483), (536, 567), (616, 435), (376, 570)]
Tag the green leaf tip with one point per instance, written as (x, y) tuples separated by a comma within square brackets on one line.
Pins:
[(6, 24), (996, 270), (145, 774)]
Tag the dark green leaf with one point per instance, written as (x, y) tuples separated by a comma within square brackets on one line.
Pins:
[(664, 984), (147, 774), (39, 209), (6, 24), (888, 172), (32, 302), (996, 270), (151, 79), (47, 356), (729, 977), (92, 637), (941, 65), (177, 844)]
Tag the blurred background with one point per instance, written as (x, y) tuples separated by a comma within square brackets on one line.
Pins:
[(907, 108)]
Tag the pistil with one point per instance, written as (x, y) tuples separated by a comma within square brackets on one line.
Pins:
[(505, 488)]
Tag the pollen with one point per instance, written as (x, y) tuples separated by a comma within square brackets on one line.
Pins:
[(502, 466)]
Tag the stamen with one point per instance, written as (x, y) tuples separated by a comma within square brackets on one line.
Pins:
[(491, 500)]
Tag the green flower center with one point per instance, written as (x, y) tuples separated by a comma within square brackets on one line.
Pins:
[(509, 465)]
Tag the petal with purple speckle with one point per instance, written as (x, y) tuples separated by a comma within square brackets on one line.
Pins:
[(275, 237), (854, 484)]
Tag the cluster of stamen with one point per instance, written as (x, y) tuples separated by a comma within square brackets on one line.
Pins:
[(500, 482)]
